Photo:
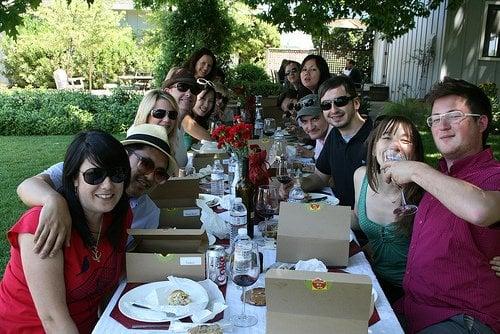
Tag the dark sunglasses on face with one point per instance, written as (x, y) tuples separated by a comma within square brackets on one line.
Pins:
[(340, 101), (161, 113), (184, 87), (293, 70), (97, 175), (147, 166), (303, 104), (291, 106)]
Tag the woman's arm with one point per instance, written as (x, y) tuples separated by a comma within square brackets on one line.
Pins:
[(359, 174), (45, 278), (194, 129)]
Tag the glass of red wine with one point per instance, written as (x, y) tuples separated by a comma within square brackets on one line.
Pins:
[(269, 126), (283, 171), (266, 206), (244, 267)]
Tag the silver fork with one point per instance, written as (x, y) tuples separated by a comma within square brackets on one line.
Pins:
[(167, 314)]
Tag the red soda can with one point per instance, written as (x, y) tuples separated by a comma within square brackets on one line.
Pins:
[(216, 264)]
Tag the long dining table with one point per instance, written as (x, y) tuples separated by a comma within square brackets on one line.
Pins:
[(358, 264)]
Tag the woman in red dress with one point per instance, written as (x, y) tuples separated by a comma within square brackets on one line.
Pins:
[(62, 294)]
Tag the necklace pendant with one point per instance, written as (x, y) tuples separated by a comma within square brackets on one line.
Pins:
[(96, 254)]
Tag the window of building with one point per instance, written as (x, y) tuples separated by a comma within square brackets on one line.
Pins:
[(491, 41)]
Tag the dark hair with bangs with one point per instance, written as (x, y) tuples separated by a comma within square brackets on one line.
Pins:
[(475, 98), (390, 124), (337, 81), (191, 63), (104, 151), (203, 120)]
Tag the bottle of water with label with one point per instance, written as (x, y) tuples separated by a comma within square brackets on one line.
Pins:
[(238, 220), (258, 128), (232, 165), (217, 182)]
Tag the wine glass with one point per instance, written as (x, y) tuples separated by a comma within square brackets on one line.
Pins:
[(245, 268), (283, 171), (405, 209), (266, 207), (269, 126)]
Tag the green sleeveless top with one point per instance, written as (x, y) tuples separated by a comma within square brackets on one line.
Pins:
[(390, 247), (189, 140)]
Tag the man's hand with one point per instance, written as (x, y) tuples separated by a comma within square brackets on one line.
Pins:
[(400, 172), (284, 190), (303, 152), (54, 227)]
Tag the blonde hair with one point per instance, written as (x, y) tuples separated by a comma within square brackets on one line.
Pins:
[(144, 110)]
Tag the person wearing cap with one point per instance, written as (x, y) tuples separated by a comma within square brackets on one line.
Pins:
[(151, 164), (182, 85), (311, 120)]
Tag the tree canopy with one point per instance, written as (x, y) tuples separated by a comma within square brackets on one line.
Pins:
[(392, 18)]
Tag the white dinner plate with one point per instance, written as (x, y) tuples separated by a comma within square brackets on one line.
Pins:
[(145, 295), (330, 199)]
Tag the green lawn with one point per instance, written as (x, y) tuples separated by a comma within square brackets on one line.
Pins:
[(25, 156)]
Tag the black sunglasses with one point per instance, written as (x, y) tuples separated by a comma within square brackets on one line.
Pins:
[(303, 104), (184, 87), (97, 175), (293, 70), (340, 101), (147, 166), (161, 113)]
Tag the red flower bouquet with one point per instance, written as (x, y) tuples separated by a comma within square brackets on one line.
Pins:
[(234, 138)]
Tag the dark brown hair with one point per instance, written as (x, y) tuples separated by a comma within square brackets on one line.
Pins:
[(337, 81), (475, 98), (191, 63), (413, 193)]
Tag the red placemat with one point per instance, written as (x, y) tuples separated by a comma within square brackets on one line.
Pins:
[(134, 324), (375, 316)]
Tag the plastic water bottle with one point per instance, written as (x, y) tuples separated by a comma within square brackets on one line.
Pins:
[(231, 168), (217, 176), (258, 129), (238, 220)]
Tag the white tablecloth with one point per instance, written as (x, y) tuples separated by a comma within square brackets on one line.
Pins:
[(358, 264)]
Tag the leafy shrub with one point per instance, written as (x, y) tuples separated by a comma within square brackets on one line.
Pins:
[(490, 89), (415, 110), (50, 112), (246, 72)]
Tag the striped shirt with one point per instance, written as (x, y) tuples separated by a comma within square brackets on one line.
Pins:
[(448, 271)]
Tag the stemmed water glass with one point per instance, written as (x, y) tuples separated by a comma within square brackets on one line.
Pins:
[(245, 268), (266, 207), (283, 171), (405, 209)]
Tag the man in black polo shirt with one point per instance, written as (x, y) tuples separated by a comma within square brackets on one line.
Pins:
[(344, 149)]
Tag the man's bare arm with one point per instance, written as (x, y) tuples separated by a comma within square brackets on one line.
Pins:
[(54, 227), (315, 181)]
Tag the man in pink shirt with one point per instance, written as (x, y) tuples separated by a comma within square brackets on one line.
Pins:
[(449, 286)]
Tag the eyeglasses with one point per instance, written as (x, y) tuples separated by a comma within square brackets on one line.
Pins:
[(293, 70), (97, 175), (161, 113), (291, 106), (340, 101), (147, 166), (184, 87), (304, 104), (452, 117), (205, 82)]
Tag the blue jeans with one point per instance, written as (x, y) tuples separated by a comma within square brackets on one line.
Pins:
[(458, 324)]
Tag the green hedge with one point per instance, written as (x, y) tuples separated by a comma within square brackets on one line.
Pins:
[(52, 112)]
